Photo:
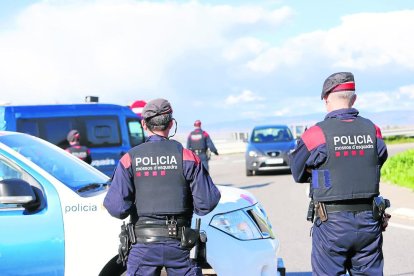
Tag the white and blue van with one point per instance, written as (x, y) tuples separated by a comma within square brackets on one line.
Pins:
[(108, 130)]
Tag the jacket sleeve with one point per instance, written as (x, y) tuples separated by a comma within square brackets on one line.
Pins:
[(205, 193), (119, 201), (381, 147), (309, 153), (189, 141), (210, 143)]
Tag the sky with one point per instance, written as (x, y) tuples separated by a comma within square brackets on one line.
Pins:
[(217, 61)]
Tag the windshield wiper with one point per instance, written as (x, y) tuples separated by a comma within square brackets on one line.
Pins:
[(89, 187)]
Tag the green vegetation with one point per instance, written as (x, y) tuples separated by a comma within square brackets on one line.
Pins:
[(398, 139), (399, 169)]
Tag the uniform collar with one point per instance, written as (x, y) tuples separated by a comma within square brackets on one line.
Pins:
[(343, 114), (155, 138)]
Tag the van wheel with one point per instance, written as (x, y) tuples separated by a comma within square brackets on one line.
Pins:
[(249, 172)]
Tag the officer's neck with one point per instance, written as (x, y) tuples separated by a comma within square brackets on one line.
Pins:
[(163, 134), (336, 105)]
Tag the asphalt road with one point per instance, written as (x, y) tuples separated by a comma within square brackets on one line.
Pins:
[(286, 203)]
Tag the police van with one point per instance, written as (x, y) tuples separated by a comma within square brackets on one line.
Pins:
[(108, 130)]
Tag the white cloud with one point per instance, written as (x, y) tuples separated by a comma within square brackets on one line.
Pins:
[(398, 99), (362, 41), (67, 50), (246, 96), (244, 47), (407, 91)]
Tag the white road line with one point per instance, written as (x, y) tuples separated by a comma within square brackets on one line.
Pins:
[(402, 226), (404, 213)]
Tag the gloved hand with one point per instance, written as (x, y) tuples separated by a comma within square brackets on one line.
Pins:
[(385, 218), (216, 152)]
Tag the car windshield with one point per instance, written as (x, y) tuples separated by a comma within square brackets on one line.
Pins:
[(271, 135), (75, 174)]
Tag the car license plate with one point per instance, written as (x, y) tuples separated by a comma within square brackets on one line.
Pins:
[(274, 161)]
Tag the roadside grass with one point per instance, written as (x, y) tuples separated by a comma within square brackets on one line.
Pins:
[(398, 139), (399, 169)]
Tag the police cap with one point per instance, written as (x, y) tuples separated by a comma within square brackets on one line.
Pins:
[(73, 135), (155, 108), (197, 123), (341, 81)]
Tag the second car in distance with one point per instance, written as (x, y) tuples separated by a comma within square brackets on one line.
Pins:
[(268, 148)]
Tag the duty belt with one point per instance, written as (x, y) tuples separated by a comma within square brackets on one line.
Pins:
[(147, 231), (198, 151), (357, 205), (350, 208)]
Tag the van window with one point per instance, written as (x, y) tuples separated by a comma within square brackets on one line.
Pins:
[(136, 134), (102, 131)]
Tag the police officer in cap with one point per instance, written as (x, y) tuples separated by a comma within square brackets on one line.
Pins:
[(199, 142), (75, 148), (159, 184), (341, 157)]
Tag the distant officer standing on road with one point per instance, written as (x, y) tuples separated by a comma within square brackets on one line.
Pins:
[(199, 142), (159, 184), (75, 148), (342, 157)]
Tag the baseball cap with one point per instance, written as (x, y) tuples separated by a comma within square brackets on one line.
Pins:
[(73, 135), (341, 81), (155, 108)]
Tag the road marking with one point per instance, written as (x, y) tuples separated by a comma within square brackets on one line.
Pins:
[(402, 226), (404, 213)]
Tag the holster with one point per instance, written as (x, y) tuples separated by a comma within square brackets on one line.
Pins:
[(379, 204), (189, 237), (321, 210), (126, 239), (311, 211)]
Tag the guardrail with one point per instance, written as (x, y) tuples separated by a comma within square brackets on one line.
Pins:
[(408, 131), (235, 141)]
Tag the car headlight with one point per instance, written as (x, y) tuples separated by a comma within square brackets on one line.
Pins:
[(237, 224), (253, 153), (246, 224)]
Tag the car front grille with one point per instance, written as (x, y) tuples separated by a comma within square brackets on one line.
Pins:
[(273, 153)]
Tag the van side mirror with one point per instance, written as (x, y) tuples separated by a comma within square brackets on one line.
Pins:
[(17, 191)]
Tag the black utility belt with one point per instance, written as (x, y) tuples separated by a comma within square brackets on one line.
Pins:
[(332, 208), (188, 237), (151, 234), (200, 151)]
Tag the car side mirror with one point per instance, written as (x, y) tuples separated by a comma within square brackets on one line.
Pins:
[(17, 191)]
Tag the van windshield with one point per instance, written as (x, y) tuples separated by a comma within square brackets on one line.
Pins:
[(73, 172)]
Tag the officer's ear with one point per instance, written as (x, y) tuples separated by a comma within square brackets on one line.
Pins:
[(144, 125), (353, 99), (170, 124)]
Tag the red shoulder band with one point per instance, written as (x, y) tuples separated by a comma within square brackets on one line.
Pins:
[(313, 137)]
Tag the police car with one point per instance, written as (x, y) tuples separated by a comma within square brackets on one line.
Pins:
[(53, 221)]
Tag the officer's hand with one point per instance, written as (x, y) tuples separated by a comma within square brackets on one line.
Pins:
[(385, 220), (216, 153)]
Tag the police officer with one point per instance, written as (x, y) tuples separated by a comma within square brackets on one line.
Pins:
[(199, 142), (159, 184), (75, 148), (342, 157)]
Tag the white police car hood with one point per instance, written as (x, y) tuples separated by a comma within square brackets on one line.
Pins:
[(233, 199)]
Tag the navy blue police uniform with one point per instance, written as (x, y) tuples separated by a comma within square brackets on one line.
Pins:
[(341, 157), (155, 183), (82, 152), (199, 142)]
